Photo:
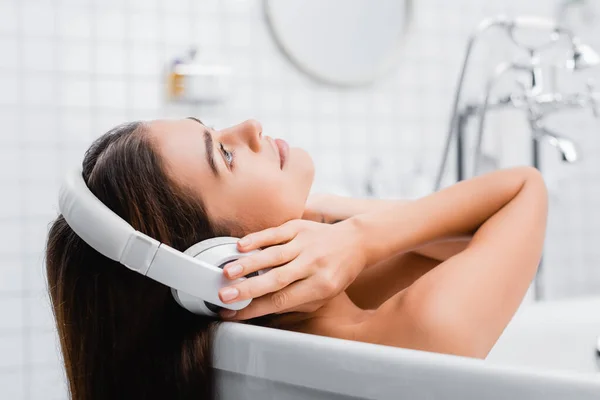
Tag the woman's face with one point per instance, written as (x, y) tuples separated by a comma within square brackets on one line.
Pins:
[(241, 175)]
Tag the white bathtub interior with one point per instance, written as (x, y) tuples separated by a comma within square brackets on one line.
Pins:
[(554, 335), (261, 363)]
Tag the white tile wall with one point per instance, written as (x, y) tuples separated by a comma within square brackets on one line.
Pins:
[(72, 69)]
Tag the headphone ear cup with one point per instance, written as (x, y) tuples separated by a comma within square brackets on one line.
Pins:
[(194, 304), (218, 252)]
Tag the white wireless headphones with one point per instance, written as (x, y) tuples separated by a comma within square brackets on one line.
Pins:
[(195, 276)]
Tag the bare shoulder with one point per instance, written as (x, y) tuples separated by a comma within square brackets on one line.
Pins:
[(417, 318), (411, 319), (339, 318), (343, 320), (397, 322)]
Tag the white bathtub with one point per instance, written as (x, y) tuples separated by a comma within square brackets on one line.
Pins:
[(537, 358), (554, 335)]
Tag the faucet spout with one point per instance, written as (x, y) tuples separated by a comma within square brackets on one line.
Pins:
[(566, 147)]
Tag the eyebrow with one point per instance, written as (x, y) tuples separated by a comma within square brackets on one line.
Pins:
[(208, 145)]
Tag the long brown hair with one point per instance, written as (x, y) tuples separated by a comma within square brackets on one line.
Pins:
[(122, 335)]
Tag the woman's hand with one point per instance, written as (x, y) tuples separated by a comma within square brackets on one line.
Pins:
[(329, 208), (315, 262)]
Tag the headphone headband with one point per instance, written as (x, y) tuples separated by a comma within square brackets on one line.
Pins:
[(91, 220), (114, 238)]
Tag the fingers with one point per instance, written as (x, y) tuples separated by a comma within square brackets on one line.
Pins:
[(271, 236), (257, 286), (269, 257), (294, 295)]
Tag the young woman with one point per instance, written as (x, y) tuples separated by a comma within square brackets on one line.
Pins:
[(444, 273)]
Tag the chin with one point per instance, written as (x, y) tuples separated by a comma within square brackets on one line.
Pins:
[(303, 162)]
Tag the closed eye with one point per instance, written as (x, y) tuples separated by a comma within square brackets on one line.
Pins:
[(228, 155)]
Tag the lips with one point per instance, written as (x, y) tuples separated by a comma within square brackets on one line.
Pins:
[(284, 150)]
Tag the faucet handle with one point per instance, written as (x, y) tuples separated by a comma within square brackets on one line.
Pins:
[(528, 96), (593, 97)]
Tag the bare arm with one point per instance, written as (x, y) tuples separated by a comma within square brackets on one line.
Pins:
[(380, 281), (330, 209), (463, 305)]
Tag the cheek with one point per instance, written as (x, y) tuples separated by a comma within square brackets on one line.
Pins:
[(260, 197), (261, 200), (283, 196)]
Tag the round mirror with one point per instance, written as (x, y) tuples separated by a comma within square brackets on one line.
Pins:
[(340, 42)]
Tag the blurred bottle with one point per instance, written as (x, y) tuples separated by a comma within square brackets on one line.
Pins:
[(195, 80)]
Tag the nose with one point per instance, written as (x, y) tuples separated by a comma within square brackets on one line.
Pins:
[(249, 132)]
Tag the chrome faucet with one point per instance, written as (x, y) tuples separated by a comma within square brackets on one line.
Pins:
[(566, 147), (597, 352), (532, 99), (582, 56), (537, 104)]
